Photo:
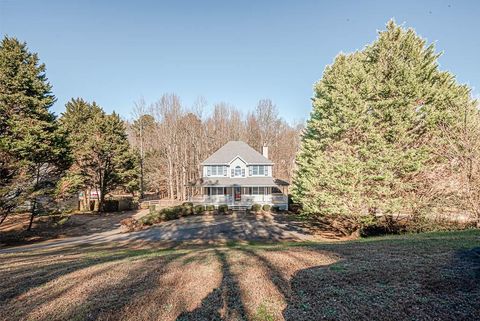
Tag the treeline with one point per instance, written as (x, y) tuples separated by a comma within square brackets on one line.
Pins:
[(390, 135), (173, 139), (44, 158)]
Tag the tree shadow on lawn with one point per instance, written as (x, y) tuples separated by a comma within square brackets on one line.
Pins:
[(39, 269), (46, 227), (233, 227), (380, 280), (127, 284), (227, 296), (394, 283)]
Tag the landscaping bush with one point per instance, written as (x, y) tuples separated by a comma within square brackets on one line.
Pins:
[(210, 208), (171, 213), (275, 209), (223, 208), (187, 204), (198, 209), (152, 208), (146, 220), (266, 207), (256, 207), (185, 210)]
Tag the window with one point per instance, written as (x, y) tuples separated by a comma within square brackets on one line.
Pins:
[(258, 170), (216, 191), (217, 170), (238, 171), (257, 190)]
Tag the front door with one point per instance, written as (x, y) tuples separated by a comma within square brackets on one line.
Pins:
[(237, 191)]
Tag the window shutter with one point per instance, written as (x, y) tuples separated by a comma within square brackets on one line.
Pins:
[(209, 170), (250, 171), (233, 172), (266, 170), (224, 170), (243, 172)]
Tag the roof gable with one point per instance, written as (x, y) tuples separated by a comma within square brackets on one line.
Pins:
[(233, 149)]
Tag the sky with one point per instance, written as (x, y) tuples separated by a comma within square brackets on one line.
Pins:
[(117, 52)]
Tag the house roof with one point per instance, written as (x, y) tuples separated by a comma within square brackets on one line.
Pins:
[(234, 149), (239, 181)]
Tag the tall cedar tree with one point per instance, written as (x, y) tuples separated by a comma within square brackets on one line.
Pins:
[(103, 160), (376, 116), (33, 151)]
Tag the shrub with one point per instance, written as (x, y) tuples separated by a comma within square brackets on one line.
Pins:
[(184, 210), (187, 204), (275, 209), (146, 220), (266, 207), (198, 209), (223, 208), (171, 213), (256, 207), (210, 208), (152, 208)]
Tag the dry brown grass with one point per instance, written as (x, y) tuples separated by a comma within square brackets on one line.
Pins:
[(14, 230), (427, 276)]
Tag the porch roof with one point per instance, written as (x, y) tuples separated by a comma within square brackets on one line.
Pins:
[(239, 181)]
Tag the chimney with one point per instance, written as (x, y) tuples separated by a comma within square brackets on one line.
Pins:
[(265, 151)]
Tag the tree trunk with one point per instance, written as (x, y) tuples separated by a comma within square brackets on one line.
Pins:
[(101, 202), (32, 215), (4, 218)]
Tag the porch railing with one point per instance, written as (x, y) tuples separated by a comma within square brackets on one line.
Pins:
[(245, 199)]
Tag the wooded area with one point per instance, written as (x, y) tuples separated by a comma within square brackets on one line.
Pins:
[(174, 139)]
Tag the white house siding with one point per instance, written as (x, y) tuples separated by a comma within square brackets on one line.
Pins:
[(232, 155)]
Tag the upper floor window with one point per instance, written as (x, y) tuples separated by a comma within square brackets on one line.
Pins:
[(217, 170), (258, 170), (238, 171)]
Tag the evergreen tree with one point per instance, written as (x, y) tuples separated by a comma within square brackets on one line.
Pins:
[(33, 151), (103, 160), (376, 114)]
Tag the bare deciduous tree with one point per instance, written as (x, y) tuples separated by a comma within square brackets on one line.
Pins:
[(174, 139)]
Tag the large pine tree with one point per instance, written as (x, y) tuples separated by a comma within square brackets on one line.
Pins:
[(33, 151), (376, 115), (102, 156)]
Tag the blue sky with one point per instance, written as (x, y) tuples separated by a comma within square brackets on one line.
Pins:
[(115, 52)]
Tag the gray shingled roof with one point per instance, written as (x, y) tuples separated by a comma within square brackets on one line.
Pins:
[(232, 149), (241, 181)]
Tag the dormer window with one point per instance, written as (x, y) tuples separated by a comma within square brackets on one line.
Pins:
[(238, 171)]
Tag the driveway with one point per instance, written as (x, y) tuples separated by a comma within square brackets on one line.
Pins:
[(204, 229)]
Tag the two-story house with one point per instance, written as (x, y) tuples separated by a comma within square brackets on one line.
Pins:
[(239, 176)]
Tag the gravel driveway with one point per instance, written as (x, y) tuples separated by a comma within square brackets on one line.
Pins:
[(195, 229)]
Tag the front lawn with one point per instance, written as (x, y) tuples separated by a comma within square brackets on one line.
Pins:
[(412, 277)]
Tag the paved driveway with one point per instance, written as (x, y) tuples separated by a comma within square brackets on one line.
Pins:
[(195, 229)]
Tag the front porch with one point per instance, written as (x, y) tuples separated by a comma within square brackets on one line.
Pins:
[(241, 196)]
